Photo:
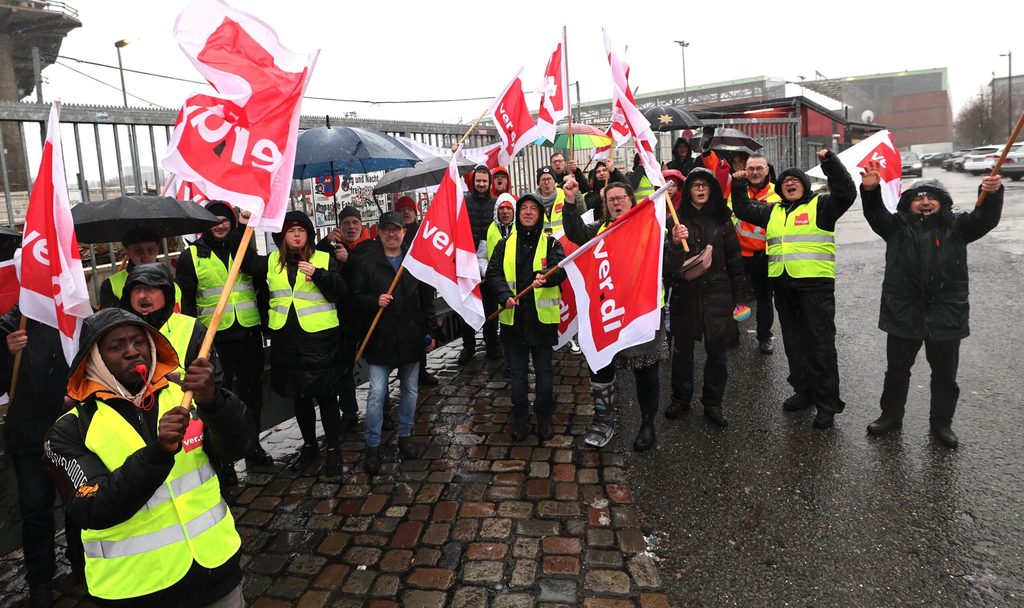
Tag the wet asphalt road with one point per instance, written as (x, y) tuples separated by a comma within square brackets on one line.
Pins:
[(771, 512)]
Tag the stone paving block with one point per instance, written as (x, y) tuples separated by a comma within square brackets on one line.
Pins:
[(268, 563), (513, 600), (431, 578), (540, 469), (526, 547), (654, 600), (288, 587), (426, 557), (423, 599), (465, 529), (558, 508), (397, 560), (644, 572), (358, 582), (560, 565), (515, 509), (538, 527), (486, 551), (604, 602), (331, 577), (558, 590), (436, 534), (362, 556), (613, 582), (524, 572), (314, 599), (496, 528), (407, 535), (596, 558), (306, 565), (386, 586), (477, 509), (561, 545), (483, 572), (470, 597), (631, 540)]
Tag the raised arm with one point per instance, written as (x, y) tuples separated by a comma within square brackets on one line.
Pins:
[(878, 217)]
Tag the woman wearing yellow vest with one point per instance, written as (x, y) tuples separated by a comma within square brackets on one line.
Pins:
[(529, 326), (136, 464), (801, 248), (304, 335)]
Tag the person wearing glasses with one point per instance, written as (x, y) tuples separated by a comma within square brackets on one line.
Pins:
[(925, 290), (801, 249)]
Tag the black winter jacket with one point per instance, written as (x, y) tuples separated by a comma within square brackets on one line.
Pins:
[(682, 157), (481, 213), (526, 328), (703, 307), (925, 289), (406, 325), (831, 207)]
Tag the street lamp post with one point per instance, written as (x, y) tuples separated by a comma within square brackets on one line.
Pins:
[(682, 45), (1009, 92), (120, 44), (133, 151)]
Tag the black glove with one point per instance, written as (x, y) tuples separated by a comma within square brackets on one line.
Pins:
[(705, 140)]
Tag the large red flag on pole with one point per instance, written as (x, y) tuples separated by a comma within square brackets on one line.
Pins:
[(53, 289), (239, 146), (443, 253), (554, 101), (515, 124), (616, 280)]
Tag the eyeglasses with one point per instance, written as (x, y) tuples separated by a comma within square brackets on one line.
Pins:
[(618, 199), (699, 186), (756, 169), (792, 180)]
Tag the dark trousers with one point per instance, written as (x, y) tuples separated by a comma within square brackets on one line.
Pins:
[(36, 494), (330, 417), (944, 359), (756, 268), (647, 385), (716, 371), (347, 383), (243, 364), (490, 327), (808, 324), (518, 357)]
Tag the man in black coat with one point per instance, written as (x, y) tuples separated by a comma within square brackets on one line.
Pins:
[(403, 332), (562, 170), (480, 205), (925, 290), (38, 402), (529, 325)]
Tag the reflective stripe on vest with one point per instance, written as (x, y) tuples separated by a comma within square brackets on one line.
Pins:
[(212, 274), (184, 521), (178, 330), (548, 300), (313, 310), (119, 279), (797, 246), (554, 217)]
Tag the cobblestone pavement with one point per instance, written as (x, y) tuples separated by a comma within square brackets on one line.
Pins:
[(478, 521)]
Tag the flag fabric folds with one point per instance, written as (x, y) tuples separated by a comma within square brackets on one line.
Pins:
[(879, 147), (239, 146), (513, 120), (443, 253), (53, 288), (554, 101)]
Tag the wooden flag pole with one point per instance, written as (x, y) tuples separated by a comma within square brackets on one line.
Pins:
[(380, 311), (471, 127), (22, 324), (1002, 157), (236, 265), (675, 220), (522, 293)]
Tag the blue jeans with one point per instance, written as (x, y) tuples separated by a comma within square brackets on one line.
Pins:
[(518, 358), (409, 379)]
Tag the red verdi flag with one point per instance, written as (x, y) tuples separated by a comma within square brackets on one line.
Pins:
[(880, 148), (443, 253), (616, 279), (239, 146), (515, 124), (53, 289), (554, 101)]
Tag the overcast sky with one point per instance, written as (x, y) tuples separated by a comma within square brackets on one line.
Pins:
[(456, 49)]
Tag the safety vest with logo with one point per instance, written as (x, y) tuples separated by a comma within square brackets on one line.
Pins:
[(212, 274), (494, 237), (554, 217), (178, 330), (119, 279), (752, 238), (547, 299), (797, 246), (185, 519), (314, 311), (644, 188)]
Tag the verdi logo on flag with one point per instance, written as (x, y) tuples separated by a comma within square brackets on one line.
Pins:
[(239, 146), (515, 124), (881, 148)]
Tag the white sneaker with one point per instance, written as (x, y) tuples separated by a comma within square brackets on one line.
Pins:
[(574, 346)]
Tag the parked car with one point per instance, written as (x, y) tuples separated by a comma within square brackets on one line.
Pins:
[(935, 159), (948, 164), (911, 164), (981, 159), (1013, 166)]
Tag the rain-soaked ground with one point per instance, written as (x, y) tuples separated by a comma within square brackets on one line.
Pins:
[(771, 512)]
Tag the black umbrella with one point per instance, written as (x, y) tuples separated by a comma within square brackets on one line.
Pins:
[(10, 239), (108, 221), (671, 118), (425, 174), (347, 150), (729, 140)]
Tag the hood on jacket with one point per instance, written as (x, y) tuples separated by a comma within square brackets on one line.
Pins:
[(716, 204), (471, 180), (533, 233), (290, 219), (93, 329), (799, 173), (220, 208), (931, 186), (677, 177), (614, 176), (154, 275), (507, 198), (680, 156)]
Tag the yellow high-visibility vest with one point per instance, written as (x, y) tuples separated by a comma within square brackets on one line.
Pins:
[(494, 237), (547, 299), (212, 274), (314, 311), (798, 246)]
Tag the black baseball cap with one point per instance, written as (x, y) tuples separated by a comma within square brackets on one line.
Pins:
[(390, 217)]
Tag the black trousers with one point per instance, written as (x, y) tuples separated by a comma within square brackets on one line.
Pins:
[(36, 494), (944, 359), (490, 327), (647, 385), (808, 324), (243, 363), (330, 417), (716, 371), (756, 268), (518, 357), (347, 383)]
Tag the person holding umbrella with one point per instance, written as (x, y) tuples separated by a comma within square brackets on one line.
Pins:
[(201, 273), (304, 343), (141, 246)]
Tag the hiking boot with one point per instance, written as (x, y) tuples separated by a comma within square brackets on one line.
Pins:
[(945, 436), (646, 438), (371, 460), (677, 409), (601, 429), (544, 430), (332, 463), (408, 449), (716, 416), (886, 423)]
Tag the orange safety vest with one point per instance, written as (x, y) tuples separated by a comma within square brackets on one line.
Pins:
[(752, 238)]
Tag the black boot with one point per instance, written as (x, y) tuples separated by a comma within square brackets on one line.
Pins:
[(307, 454), (408, 449), (796, 403), (544, 430), (371, 460), (886, 423), (520, 426), (677, 409), (645, 439), (824, 419), (332, 462), (945, 436), (466, 355), (716, 416), (258, 458)]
